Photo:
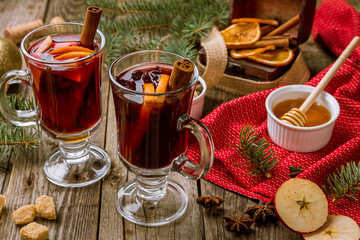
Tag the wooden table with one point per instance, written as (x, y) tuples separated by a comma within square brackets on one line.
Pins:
[(89, 212)]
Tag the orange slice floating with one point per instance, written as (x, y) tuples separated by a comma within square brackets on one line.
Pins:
[(271, 22), (276, 58), (162, 86), (148, 88), (241, 33), (71, 55), (243, 53), (70, 49)]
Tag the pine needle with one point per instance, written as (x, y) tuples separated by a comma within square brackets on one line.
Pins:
[(18, 139), (257, 152), (344, 182), (172, 25)]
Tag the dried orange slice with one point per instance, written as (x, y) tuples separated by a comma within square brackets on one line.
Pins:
[(276, 58), (241, 33), (271, 22), (243, 53)]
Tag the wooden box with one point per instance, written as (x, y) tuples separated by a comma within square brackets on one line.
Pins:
[(280, 10)]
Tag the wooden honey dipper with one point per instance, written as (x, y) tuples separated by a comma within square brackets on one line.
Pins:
[(297, 116)]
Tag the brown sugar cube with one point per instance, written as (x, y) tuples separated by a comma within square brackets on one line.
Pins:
[(45, 207), (2, 203), (34, 231), (25, 214)]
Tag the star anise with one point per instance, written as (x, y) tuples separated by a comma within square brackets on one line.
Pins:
[(263, 212), (238, 224), (294, 171), (209, 202)]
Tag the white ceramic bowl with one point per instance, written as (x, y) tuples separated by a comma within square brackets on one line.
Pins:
[(198, 102), (300, 139)]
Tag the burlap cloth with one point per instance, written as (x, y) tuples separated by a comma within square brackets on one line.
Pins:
[(216, 59)]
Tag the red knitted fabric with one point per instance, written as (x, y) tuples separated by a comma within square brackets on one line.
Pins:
[(335, 24)]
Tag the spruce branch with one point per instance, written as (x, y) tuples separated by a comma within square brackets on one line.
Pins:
[(344, 182), (257, 152), (172, 25), (18, 139)]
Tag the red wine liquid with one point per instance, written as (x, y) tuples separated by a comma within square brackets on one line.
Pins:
[(68, 95), (147, 131)]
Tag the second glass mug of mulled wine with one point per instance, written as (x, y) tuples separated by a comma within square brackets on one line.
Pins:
[(152, 131), (66, 81)]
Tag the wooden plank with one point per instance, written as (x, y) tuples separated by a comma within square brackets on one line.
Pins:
[(70, 10), (29, 10)]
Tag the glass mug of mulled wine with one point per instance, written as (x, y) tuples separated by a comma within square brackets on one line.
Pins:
[(152, 134), (66, 81)]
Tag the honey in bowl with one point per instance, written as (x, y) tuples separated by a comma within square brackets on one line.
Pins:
[(316, 115)]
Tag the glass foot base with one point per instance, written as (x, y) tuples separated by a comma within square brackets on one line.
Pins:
[(95, 167), (152, 213)]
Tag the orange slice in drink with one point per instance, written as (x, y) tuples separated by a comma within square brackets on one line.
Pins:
[(71, 55), (276, 58), (148, 88), (241, 33), (162, 86), (243, 53)]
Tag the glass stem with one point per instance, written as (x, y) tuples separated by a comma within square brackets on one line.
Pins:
[(151, 188), (75, 152)]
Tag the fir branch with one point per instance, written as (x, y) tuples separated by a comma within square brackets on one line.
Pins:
[(257, 152), (132, 25), (344, 182), (18, 139)]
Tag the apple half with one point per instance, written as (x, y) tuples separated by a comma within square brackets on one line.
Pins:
[(301, 205), (336, 227)]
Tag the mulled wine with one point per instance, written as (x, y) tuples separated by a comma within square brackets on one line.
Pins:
[(67, 93), (147, 124)]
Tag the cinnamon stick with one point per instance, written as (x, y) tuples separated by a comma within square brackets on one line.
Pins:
[(91, 23), (277, 41), (266, 29), (181, 74), (293, 22)]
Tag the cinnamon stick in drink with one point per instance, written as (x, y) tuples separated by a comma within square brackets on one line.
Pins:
[(181, 74), (293, 22), (92, 19)]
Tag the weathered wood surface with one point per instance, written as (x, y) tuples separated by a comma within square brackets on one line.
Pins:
[(89, 212)]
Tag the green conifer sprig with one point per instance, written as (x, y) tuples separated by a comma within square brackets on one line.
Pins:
[(344, 182), (172, 25), (259, 156), (18, 139)]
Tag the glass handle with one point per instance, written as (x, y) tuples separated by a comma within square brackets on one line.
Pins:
[(184, 165), (16, 117)]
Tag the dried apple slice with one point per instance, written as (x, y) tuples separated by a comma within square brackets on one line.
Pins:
[(336, 227), (301, 205)]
